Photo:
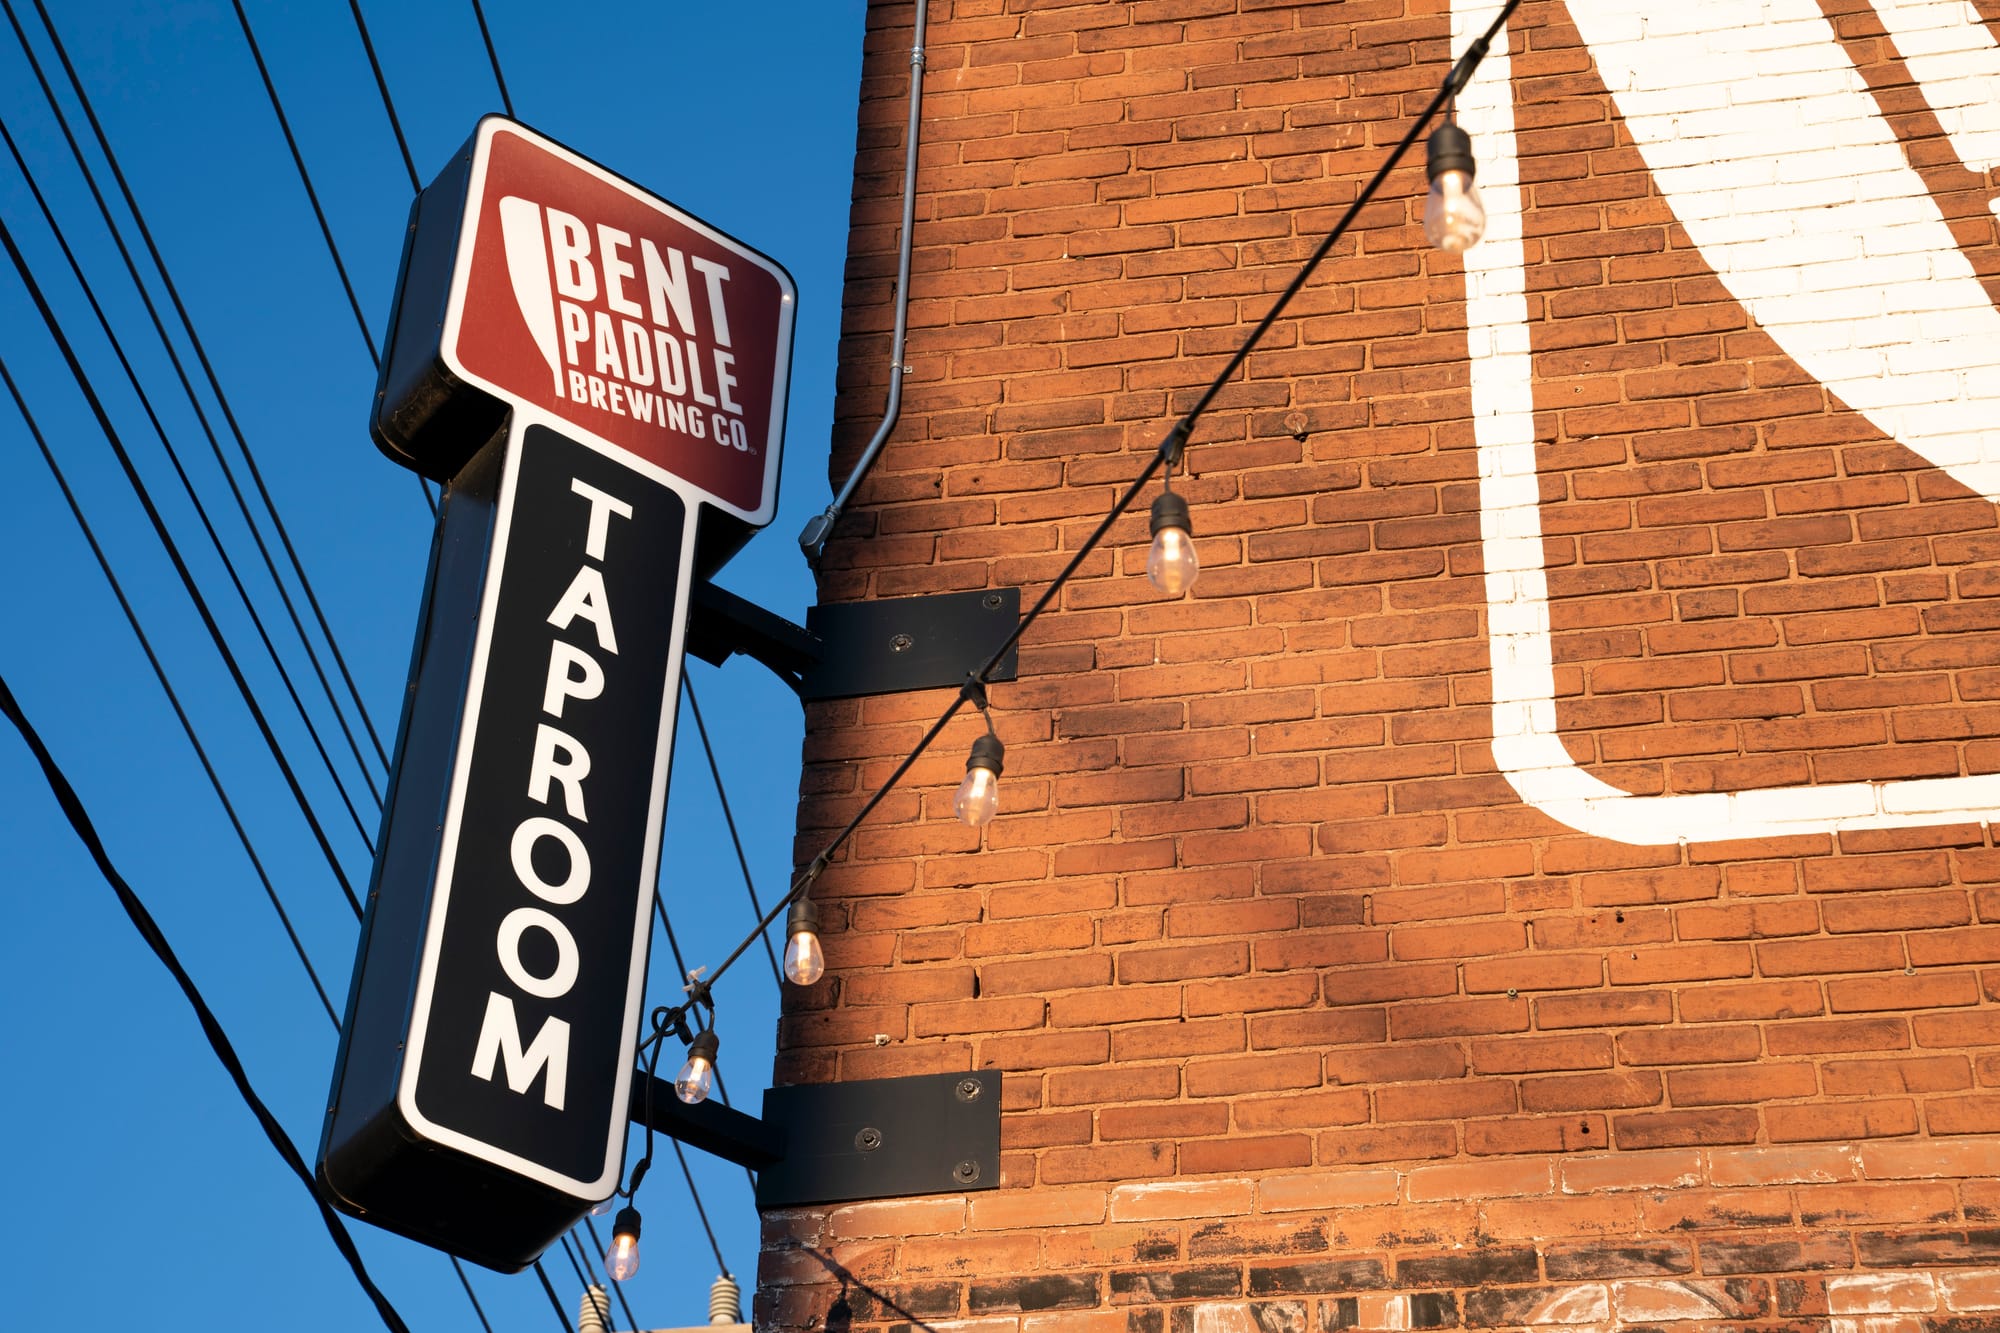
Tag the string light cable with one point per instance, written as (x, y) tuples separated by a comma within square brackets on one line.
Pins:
[(218, 1039), (1168, 454), (728, 817)]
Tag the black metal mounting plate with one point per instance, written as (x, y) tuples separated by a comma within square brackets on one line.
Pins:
[(884, 1138), (895, 644)]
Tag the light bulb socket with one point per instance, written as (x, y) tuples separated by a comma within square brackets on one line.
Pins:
[(987, 753), (1170, 511), (804, 917), (626, 1223), (1449, 149), (703, 1047)]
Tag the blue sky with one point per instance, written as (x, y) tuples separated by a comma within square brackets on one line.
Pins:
[(141, 1188)]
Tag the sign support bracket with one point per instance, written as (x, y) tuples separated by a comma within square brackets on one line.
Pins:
[(883, 1138), (889, 645)]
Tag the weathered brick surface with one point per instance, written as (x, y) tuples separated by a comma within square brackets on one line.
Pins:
[(1310, 1019)]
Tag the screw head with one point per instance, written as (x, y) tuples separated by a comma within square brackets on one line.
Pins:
[(965, 1172), (901, 643), (993, 601), (869, 1139), (968, 1089)]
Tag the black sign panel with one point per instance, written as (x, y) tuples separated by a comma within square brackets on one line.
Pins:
[(534, 956), (482, 1095)]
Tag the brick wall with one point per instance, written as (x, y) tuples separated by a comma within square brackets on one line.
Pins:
[(1541, 877)]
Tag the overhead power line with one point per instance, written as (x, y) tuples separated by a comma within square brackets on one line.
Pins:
[(211, 1027), (201, 355), (194, 498), (305, 179), (493, 58), (159, 672), (729, 820), (382, 86), (138, 485)]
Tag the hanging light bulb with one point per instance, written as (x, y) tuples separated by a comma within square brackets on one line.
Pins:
[(697, 1077), (978, 798), (1171, 565), (1454, 219), (621, 1261), (805, 961)]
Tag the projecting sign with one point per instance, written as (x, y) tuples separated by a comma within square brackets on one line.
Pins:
[(600, 379)]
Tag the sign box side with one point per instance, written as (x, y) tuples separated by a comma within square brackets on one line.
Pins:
[(371, 1164), (426, 418)]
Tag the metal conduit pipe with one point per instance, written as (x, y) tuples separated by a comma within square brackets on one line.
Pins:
[(813, 539)]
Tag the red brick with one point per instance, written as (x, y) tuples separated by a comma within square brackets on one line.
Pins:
[(1239, 1153), (1169, 1121), (1576, 1092), (1754, 1084), (1963, 1115), (1398, 1143), (1304, 1110), (1680, 1129), (1777, 999), (1252, 1073), (1849, 1122)]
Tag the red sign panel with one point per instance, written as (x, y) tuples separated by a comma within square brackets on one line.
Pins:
[(610, 311)]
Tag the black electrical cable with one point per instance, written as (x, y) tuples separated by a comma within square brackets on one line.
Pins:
[(173, 698), (1169, 451), (194, 339), (173, 355), (617, 1287), (554, 1299), (382, 86), (587, 1273), (242, 444), (466, 1282), (493, 58), (187, 485), (680, 970), (735, 839), (721, 1084), (700, 1211), (326, 231), (218, 1040), (111, 435), (569, 1253), (305, 179)]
